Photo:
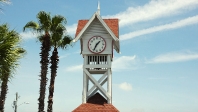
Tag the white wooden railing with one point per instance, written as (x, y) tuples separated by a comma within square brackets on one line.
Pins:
[(98, 62)]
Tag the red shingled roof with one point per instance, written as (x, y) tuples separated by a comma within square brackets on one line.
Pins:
[(111, 23), (96, 103), (88, 107)]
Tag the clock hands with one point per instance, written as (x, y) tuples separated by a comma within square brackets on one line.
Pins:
[(96, 45)]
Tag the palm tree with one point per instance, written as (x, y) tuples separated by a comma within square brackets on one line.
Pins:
[(4, 2), (43, 28), (58, 40), (10, 53)]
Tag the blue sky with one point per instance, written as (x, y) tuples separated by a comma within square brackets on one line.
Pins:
[(155, 72)]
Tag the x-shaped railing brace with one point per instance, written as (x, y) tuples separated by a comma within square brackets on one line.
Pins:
[(96, 84)]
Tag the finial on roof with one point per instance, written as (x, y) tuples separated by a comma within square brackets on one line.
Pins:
[(98, 8)]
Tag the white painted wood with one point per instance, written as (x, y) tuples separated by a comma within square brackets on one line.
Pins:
[(100, 88), (109, 86), (94, 29), (98, 8), (109, 60), (87, 83), (84, 96), (97, 66), (99, 81), (85, 27), (104, 35), (107, 28), (104, 52), (96, 89), (96, 16), (85, 60), (97, 63), (108, 49)]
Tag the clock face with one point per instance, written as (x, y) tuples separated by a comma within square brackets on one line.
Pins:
[(96, 44)]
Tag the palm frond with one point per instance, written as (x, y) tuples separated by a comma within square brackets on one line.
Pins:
[(58, 19), (10, 50), (58, 24), (31, 25), (67, 40), (44, 20), (5, 1), (59, 29)]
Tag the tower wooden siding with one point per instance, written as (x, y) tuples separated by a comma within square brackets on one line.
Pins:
[(96, 29)]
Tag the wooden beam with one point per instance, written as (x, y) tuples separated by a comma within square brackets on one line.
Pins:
[(101, 89), (96, 66), (84, 96), (97, 88), (94, 86)]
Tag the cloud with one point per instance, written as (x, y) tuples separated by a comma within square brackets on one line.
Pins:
[(64, 56), (153, 10), (74, 68), (174, 25), (71, 30), (124, 62), (174, 57), (137, 110), (77, 52), (157, 78), (28, 35), (125, 86)]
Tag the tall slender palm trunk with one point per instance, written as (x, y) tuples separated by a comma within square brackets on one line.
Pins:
[(45, 48), (4, 89), (54, 66)]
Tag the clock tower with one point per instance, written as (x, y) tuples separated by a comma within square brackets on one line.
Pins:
[(98, 38)]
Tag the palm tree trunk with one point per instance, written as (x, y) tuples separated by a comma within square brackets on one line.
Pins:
[(4, 89), (54, 66), (45, 48)]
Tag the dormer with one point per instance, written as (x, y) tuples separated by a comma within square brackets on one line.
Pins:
[(101, 29)]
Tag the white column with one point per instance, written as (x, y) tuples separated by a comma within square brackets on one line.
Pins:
[(85, 85), (109, 81), (84, 97), (109, 86)]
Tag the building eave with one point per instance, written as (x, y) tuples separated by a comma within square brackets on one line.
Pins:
[(94, 16), (85, 27)]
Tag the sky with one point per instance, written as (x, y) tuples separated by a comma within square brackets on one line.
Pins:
[(156, 70)]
